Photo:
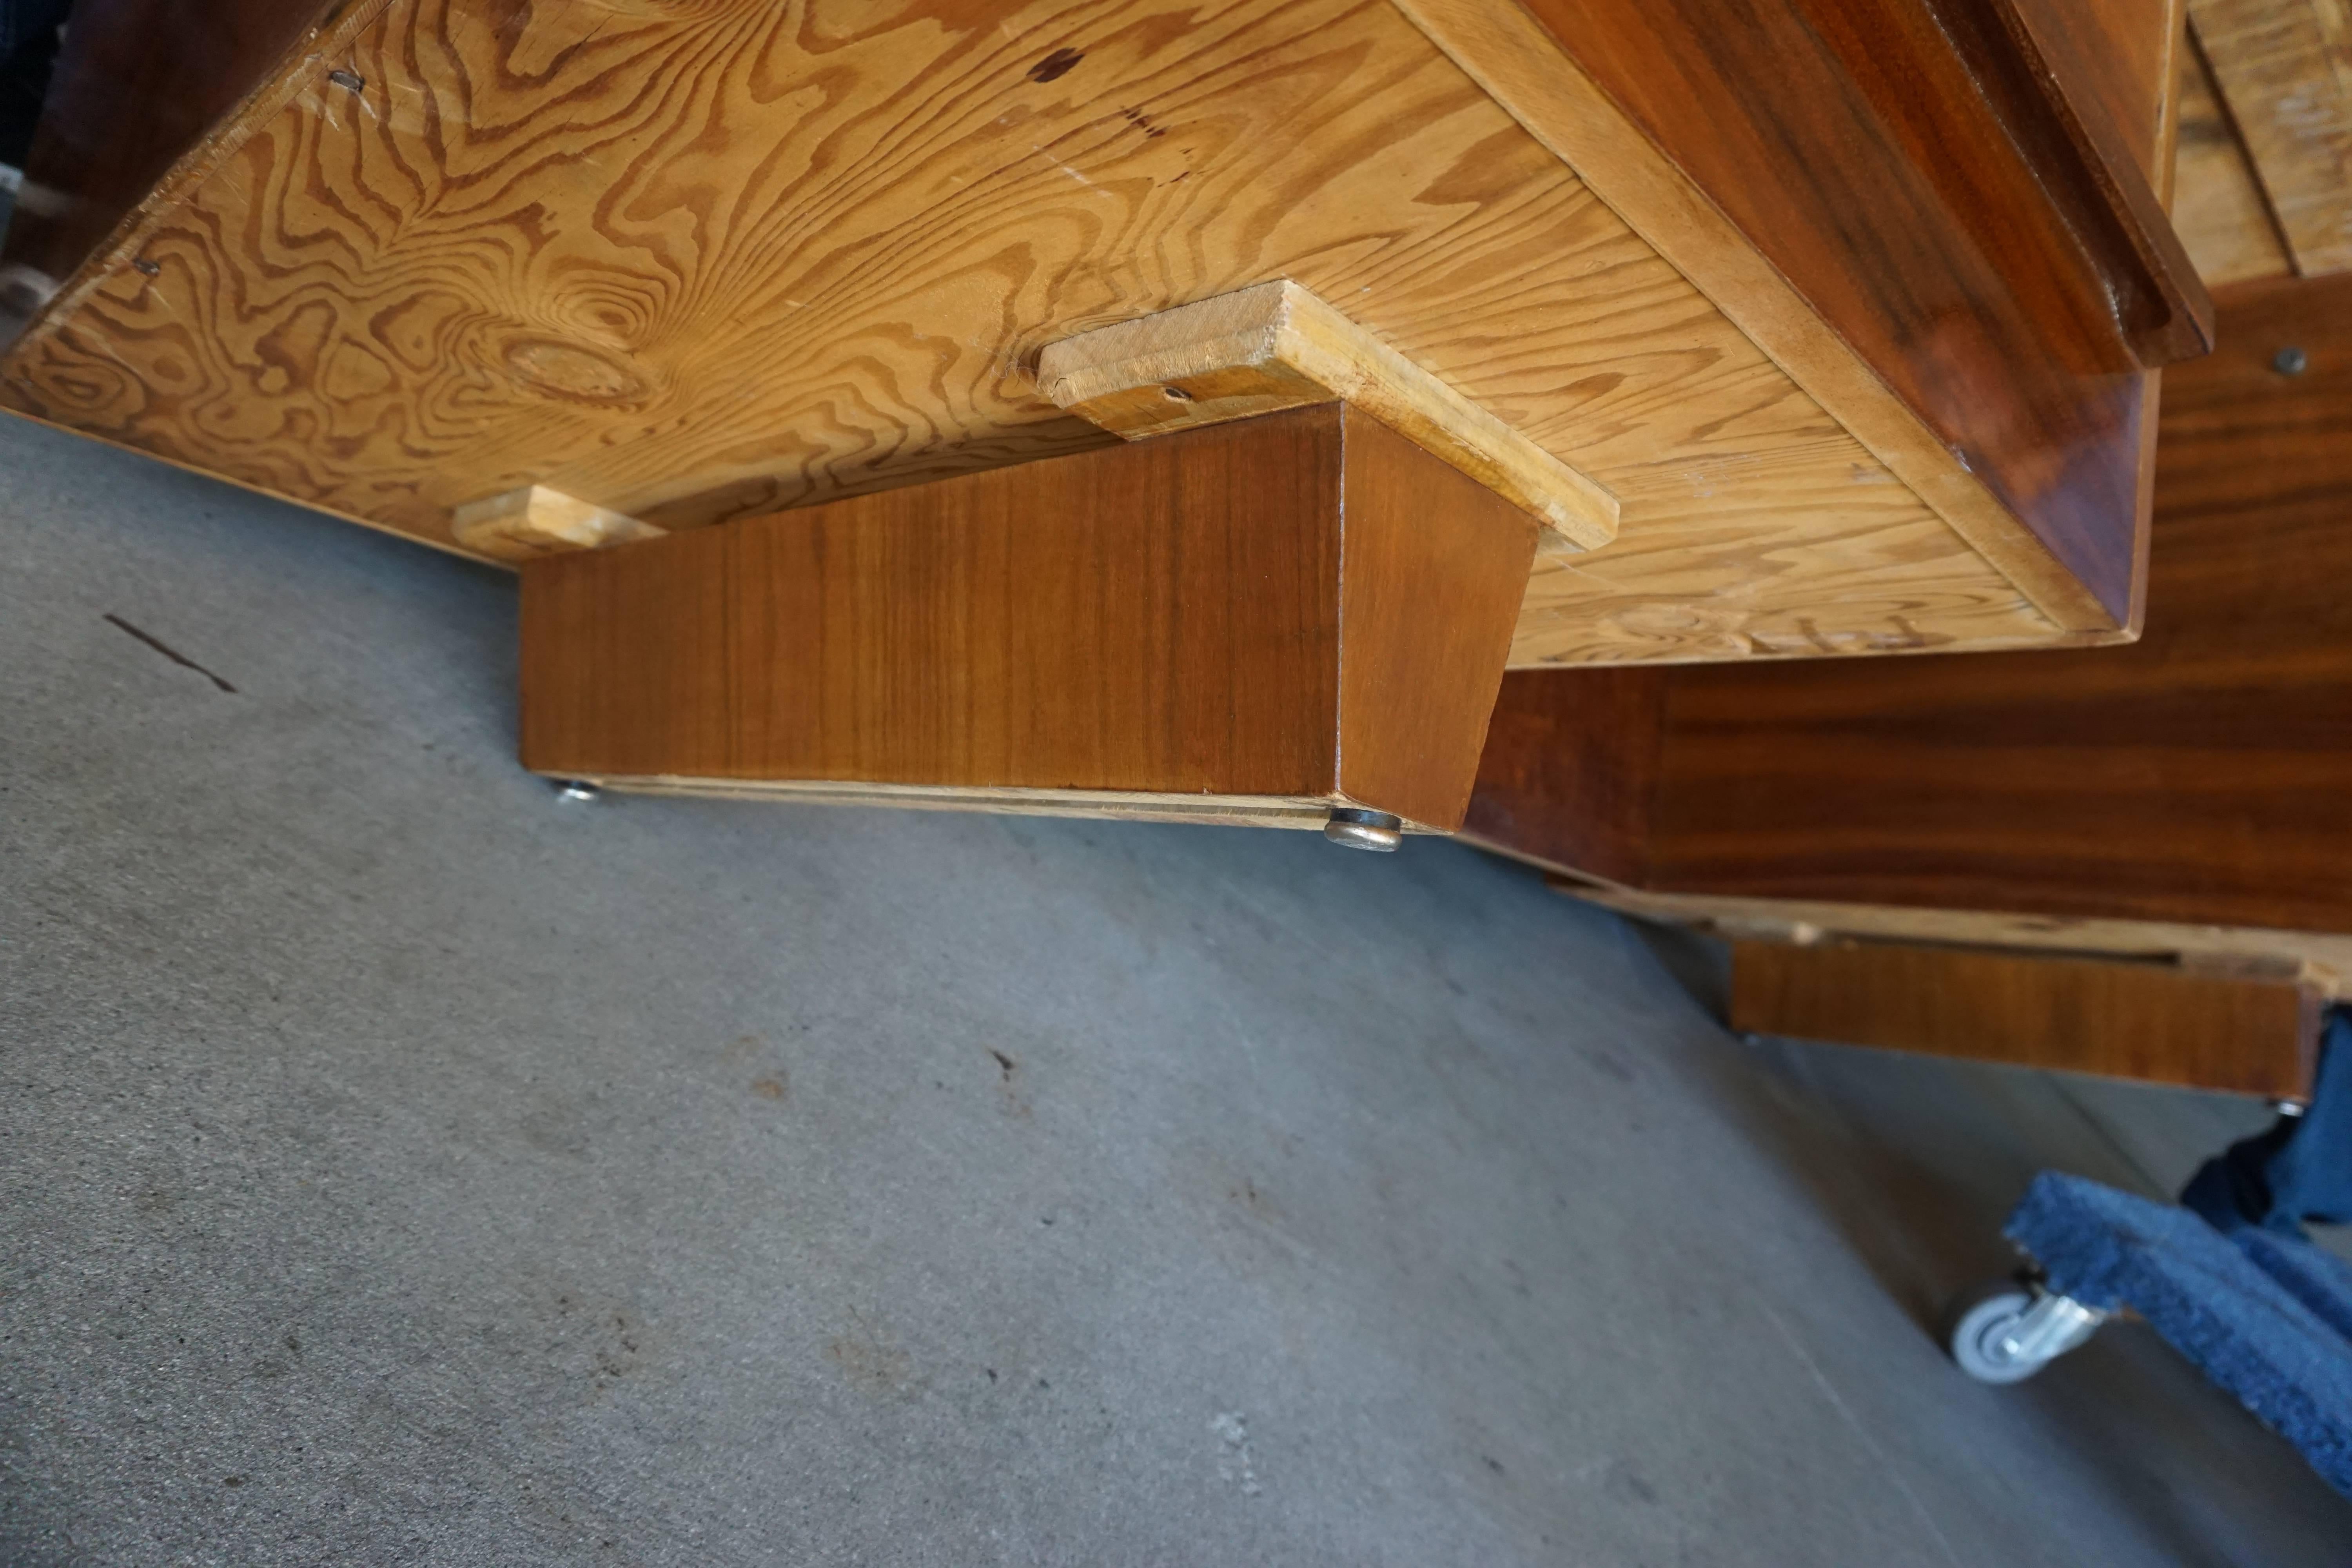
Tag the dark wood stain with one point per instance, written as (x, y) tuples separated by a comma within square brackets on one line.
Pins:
[(1918, 170), (1056, 66)]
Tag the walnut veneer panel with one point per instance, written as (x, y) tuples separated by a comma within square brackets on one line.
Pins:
[(1298, 608), (2145, 1021)]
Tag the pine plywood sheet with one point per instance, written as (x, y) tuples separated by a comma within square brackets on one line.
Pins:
[(697, 262)]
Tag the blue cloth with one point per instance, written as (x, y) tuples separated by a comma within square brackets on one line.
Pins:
[(2302, 1168), (2209, 1298), (2312, 1276)]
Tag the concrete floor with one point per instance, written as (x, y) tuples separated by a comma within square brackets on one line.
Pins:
[(400, 1166)]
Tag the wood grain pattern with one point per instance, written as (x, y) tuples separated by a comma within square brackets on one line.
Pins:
[(1570, 769), (2197, 777), (1523, 69), (1300, 609), (1278, 346), (2143, 1021), (1905, 168), (696, 262), (2285, 68), (2217, 204), (2119, 61), (138, 84)]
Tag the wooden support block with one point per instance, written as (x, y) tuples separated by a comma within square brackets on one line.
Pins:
[(2246, 1033), (524, 524), (1278, 346), (1260, 621)]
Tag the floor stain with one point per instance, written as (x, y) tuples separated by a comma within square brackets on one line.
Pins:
[(168, 651)]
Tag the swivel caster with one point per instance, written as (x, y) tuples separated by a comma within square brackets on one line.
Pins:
[(2008, 1329)]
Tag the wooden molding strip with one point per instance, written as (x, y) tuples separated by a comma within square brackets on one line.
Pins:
[(1525, 70), (1276, 346), (2284, 68), (2149, 1022), (532, 522), (2320, 959), (1210, 811), (2032, 70)]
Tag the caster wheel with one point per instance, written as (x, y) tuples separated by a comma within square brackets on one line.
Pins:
[(1982, 1335)]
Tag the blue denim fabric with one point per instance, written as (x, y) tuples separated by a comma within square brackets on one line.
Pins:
[(2301, 1169)]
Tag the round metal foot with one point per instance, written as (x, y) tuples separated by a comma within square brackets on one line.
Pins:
[(576, 790), (1373, 830)]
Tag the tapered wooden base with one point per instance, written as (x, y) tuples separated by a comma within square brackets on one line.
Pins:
[(1255, 622)]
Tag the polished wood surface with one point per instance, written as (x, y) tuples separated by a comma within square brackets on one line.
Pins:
[(1278, 346), (2145, 1021), (1570, 770), (1299, 610), (138, 85), (2199, 776), (1911, 171), (2119, 61), (691, 263), (2285, 68)]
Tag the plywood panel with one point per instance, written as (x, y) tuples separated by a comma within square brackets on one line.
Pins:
[(694, 263)]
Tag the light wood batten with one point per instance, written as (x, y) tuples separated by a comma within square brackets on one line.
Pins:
[(524, 524), (1278, 346)]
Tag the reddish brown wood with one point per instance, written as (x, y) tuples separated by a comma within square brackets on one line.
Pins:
[(1425, 621), (2199, 776), (1570, 766), (2114, 59), (1302, 606), (1914, 169), (2146, 1021), (138, 85)]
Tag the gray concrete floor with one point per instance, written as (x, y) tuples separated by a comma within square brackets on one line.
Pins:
[(399, 1166)]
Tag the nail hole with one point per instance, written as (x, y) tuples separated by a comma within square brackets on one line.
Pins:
[(146, 268), (2290, 362), (1177, 394), (352, 79)]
